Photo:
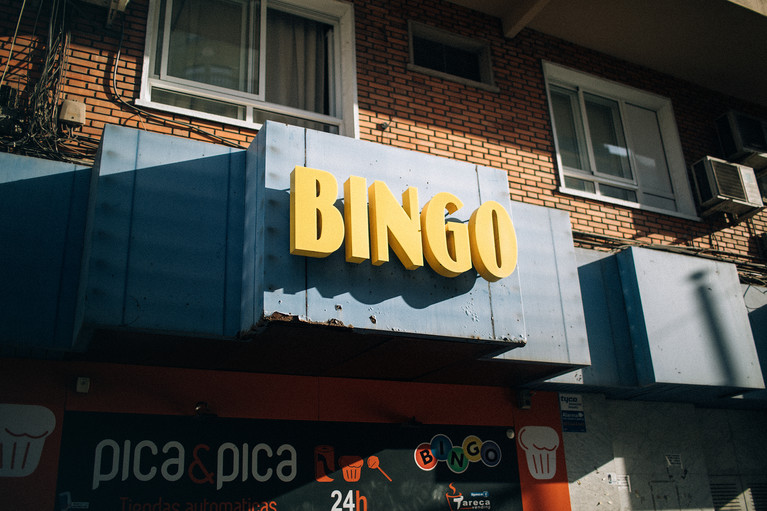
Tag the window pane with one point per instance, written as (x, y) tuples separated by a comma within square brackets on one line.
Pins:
[(617, 193), (446, 58), (648, 150), (607, 139), (297, 62), (160, 38), (209, 43), (579, 184), (261, 116), (658, 202), (191, 102), (566, 131)]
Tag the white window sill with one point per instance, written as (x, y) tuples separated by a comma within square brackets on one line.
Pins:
[(628, 204)]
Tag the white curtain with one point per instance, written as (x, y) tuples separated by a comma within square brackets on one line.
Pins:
[(296, 62), (208, 42)]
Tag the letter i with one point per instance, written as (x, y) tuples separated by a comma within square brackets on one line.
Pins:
[(245, 461), (126, 459)]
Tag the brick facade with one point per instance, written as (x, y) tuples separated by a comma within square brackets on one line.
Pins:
[(507, 129)]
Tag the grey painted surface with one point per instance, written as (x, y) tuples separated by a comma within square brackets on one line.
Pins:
[(550, 289), (539, 302), (167, 243), (192, 238), (45, 214), (688, 321), (669, 451), (666, 326), (634, 439)]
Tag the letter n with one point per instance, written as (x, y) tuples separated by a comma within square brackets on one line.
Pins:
[(395, 225)]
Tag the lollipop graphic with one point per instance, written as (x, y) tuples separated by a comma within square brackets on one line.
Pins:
[(374, 462)]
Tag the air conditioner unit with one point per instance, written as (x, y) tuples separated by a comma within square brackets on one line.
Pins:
[(113, 7), (743, 139), (726, 187)]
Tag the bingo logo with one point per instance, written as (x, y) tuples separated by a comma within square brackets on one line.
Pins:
[(457, 457)]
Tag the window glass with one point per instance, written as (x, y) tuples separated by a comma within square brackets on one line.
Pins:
[(249, 60), (649, 154), (565, 119), (617, 143), (191, 102), (579, 184), (209, 49), (448, 55), (618, 193), (297, 62), (447, 59), (607, 140)]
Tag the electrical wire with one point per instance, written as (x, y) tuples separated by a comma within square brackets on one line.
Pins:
[(749, 270), (13, 42), (140, 111)]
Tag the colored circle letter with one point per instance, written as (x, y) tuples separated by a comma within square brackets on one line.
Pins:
[(424, 458), (457, 462), (472, 446), (441, 446), (491, 453)]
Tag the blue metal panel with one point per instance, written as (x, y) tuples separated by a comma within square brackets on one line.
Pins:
[(253, 230), (283, 276), (389, 297), (612, 361), (167, 252), (507, 307), (550, 288), (755, 298), (687, 321), (194, 238), (44, 213)]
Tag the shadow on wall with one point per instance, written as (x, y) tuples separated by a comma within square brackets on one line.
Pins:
[(165, 251), (43, 216), (720, 347)]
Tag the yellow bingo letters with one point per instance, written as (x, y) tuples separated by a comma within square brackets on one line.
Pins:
[(373, 220)]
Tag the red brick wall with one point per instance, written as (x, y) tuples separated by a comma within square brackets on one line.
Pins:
[(510, 129), (507, 129)]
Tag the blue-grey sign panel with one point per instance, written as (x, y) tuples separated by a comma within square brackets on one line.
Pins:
[(389, 298), (550, 288), (125, 461), (168, 236), (193, 238), (687, 320), (45, 215)]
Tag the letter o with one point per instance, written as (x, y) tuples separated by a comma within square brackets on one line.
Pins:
[(491, 453), (493, 241)]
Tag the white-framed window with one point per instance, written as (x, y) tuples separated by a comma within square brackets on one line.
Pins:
[(245, 61), (616, 143), (440, 53)]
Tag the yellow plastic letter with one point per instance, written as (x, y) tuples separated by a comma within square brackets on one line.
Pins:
[(316, 225), (395, 225), (356, 220), (493, 241), (445, 244)]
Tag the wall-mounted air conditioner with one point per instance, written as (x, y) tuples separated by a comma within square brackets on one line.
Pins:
[(726, 187), (743, 139), (113, 7)]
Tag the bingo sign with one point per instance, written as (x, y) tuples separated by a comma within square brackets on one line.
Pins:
[(127, 462)]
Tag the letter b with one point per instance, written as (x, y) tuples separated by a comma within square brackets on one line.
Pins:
[(316, 225)]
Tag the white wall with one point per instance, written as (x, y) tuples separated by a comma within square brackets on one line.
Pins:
[(667, 450)]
